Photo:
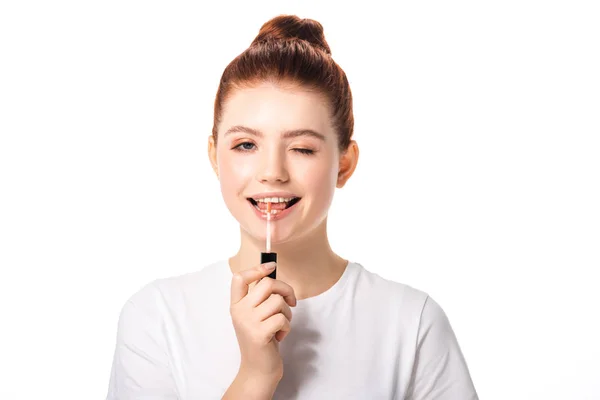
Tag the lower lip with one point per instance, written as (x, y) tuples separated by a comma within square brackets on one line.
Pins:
[(274, 217)]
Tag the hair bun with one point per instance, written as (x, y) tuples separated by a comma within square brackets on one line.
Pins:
[(287, 27)]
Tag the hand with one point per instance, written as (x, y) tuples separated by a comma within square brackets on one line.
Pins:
[(261, 318)]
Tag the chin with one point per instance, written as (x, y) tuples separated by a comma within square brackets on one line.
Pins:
[(259, 234)]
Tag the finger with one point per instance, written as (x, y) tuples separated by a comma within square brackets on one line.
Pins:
[(279, 336), (276, 323), (273, 305), (268, 286), (241, 280)]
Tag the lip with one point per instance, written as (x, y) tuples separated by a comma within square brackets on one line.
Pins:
[(272, 194), (274, 217)]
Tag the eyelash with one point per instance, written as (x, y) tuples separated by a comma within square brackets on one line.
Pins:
[(239, 148)]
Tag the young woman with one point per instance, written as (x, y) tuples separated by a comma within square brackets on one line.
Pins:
[(325, 327)]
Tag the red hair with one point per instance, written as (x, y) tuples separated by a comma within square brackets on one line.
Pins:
[(288, 49)]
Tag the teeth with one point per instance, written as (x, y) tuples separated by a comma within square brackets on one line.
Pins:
[(274, 200), (273, 212)]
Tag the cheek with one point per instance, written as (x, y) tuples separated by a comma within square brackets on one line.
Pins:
[(234, 173), (319, 179)]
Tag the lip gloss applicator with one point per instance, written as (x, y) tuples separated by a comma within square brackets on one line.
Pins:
[(267, 256)]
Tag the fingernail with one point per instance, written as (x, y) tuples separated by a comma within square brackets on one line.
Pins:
[(270, 265)]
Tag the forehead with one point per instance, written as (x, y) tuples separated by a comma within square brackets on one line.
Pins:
[(272, 108)]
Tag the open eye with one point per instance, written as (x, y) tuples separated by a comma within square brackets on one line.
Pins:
[(244, 146)]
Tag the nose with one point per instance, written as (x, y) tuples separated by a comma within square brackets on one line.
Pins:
[(273, 168)]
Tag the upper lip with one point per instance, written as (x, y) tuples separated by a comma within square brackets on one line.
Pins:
[(285, 195)]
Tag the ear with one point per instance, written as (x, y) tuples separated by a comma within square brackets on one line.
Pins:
[(212, 154), (348, 162)]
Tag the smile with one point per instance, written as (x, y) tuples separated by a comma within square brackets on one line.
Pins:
[(280, 207)]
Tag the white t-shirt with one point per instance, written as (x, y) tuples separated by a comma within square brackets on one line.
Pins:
[(364, 338)]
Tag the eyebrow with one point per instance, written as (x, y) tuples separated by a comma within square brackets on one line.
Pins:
[(286, 134)]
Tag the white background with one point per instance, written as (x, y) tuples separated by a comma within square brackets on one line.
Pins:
[(478, 180)]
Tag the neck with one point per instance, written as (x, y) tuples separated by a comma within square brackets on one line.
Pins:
[(307, 264)]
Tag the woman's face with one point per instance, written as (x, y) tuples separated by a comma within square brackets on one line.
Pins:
[(276, 142)]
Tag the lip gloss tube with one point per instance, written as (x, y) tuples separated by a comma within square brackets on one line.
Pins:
[(268, 256)]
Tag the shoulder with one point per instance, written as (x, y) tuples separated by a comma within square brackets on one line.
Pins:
[(163, 292), (390, 291), (408, 301)]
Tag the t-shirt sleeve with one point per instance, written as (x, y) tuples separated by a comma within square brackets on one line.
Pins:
[(439, 371), (140, 368)]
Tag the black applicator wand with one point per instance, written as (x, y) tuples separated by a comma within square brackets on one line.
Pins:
[(267, 256)]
